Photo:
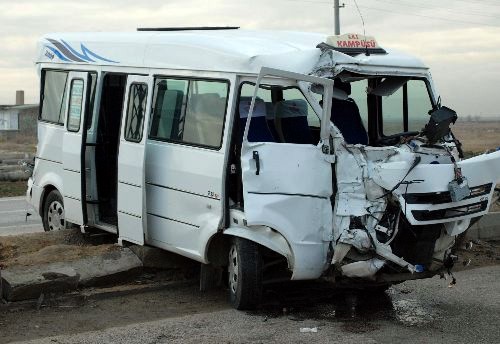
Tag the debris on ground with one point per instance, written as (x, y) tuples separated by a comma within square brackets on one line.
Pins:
[(479, 253)]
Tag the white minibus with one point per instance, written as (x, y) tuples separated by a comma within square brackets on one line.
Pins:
[(271, 156)]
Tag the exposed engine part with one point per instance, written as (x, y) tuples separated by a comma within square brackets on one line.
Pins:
[(388, 227), (416, 243), (363, 269)]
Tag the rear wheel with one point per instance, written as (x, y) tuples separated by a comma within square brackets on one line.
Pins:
[(53, 212), (245, 274)]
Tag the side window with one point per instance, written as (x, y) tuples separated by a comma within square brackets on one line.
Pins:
[(189, 111), (358, 94), (53, 102), (294, 94), (281, 114), (136, 110), (75, 105), (392, 109), (418, 104)]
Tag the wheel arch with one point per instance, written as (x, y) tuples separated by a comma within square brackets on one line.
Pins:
[(47, 189), (49, 181), (264, 236)]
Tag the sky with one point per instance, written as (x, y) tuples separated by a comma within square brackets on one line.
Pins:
[(458, 39)]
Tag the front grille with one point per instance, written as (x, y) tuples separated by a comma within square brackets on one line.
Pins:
[(448, 213), (444, 197)]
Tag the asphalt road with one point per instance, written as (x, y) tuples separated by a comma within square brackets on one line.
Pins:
[(426, 311), (13, 217)]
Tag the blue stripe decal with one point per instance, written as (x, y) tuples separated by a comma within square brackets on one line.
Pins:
[(65, 52), (57, 53), (87, 51), (82, 56)]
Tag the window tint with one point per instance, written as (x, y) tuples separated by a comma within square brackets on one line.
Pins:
[(281, 114), (295, 94), (136, 111), (419, 104), (54, 96), (358, 94), (190, 111), (75, 105), (392, 110)]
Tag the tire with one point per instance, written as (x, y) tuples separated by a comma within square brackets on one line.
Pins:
[(244, 274), (53, 212)]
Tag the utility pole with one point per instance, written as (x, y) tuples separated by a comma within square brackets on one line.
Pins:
[(336, 11)]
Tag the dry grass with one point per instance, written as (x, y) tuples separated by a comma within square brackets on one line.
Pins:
[(478, 137), (11, 189)]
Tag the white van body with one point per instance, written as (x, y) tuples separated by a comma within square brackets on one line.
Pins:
[(320, 207)]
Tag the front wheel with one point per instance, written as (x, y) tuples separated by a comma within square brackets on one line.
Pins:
[(245, 274), (53, 212)]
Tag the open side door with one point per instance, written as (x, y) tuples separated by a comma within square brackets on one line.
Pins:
[(77, 96), (131, 157), (288, 186)]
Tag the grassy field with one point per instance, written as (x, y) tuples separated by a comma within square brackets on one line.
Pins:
[(11, 189), (478, 137)]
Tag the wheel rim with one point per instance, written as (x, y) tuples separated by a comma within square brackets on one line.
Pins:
[(233, 269), (55, 216)]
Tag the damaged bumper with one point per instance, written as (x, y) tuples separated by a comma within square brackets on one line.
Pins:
[(394, 217)]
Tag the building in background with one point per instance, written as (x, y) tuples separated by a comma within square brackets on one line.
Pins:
[(18, 123)]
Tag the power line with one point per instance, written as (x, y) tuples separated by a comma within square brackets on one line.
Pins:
[(426, 16), (439, 8), (401, 12)]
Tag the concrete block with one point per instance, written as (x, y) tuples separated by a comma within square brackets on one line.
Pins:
[(153, 257), (111, 267), (487, 228), (24, 283)]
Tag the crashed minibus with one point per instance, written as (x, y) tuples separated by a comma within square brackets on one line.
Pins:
[(269, 156)]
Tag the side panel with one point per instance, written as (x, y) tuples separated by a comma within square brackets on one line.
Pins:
[(183, 193)]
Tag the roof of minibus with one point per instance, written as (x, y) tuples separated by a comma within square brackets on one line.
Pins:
[(239, 51)]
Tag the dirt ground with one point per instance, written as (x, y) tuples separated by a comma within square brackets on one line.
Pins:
[(477, 137), (482, 253), (41, 248), (422, 311)]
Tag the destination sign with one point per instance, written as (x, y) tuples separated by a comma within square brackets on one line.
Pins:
[(352, 40)]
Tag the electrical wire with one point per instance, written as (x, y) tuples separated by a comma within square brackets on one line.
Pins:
[(482, 14), (401, 12), (426, 16)]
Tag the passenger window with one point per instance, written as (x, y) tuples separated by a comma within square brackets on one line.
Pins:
[(189, 111), (53, 96), (136, 111), (75, 105), (294, 94), (281, 114)]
